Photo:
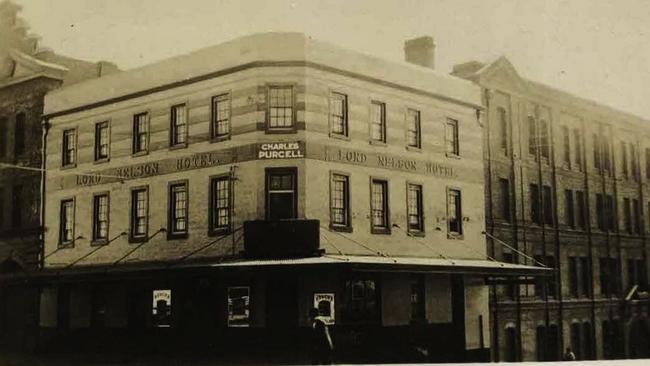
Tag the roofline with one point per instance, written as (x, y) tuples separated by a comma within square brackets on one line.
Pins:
[(256, 64)]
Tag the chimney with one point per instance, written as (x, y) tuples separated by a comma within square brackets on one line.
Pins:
[(420, 51)]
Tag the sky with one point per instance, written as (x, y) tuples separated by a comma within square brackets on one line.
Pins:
[(597, 49)]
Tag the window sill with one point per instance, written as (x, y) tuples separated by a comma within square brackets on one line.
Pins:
[(419, 234), (414, 148), (343, 229), (339, 136), (279, 131), (380, 231), (218, 231), (176, 236), (68, 166), (220, 138), (452, 156), (137, 239), (178, 146), (377, 143), (140, 153), (66, 245), (102, 160), (98, 242), (454, 236)]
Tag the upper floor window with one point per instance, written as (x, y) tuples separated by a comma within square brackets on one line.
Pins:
[(451, 137), (624, 159), (606, 156), (220, 204), (339, 114), (378, 121), (567, 146), (414, 208), (548, 205), (69, 147), (647, 163), (340, 201), (413, 134), (281, 113), (66, 220), (19, 134), (281, 193), (17, 206), (634, 168), (221, 116), (503, 124), (504, 195), (636, 215), (3, 137), (139, 213), (2, 207), (178, 130), (100, 217), (582, 210), (535, 211), (597, 152), (141, 133), (627, 215), (178, 205), (568, 210), (454, 213), (543, 139), (532, 136), (379, 206), (578, 147), (102, 143)]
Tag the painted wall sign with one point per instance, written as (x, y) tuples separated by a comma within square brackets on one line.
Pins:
[(162, 308), (280, 150), (324, 302), (239, 306)]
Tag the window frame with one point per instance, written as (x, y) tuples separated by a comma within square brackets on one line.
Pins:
[(97, 147), (62, 243), (417, 131), (347, 225), (385, 206), (65, 148), (20, 147), (459, 213), (172, 233), (454, 124), (136, 149), (504, 126), (220, 98), (268, 172), (173, 144), (420, 231), (505, 209), (283, 129), (383, 124), (95, 239), (333, 95), (133, 237), (213, 229)]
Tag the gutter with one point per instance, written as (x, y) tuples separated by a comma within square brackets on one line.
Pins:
[(46, 127)]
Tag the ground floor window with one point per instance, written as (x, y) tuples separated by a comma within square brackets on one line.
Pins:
[(162, 308), (239, 306), (324, 302), (362, 301)]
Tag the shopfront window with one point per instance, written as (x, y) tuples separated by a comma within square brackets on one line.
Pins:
[(239, 306), (162, 308), (362, 305)]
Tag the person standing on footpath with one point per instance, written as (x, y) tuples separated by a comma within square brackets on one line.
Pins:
[(322, 345), (569, 355)]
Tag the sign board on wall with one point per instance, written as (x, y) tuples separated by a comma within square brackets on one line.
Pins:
[(324, 302), (162, 308), (239, 306), (280, 150)]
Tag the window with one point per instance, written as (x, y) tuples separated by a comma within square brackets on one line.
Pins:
[(606, 154), (361, 301), (647, 163), (417, 298), (101, 141), (541, 343), (585, 277), (339, 114), (178, 130), (281, 194), (636, 215), (66, 220), (178, 204), (627, 215), (582, 212), (510, 287), (161, 313), (19, 134), (600, 212), (17, 206), (576, 340), (610, 214), (69, 147), (221, 116), (3, 137), (543, 138), (511, 344), (2, 208), (379, 206), (239, 301), (451, 137), (280, 107), (609, 276), (633, 161), (596, 151), (378, 121), (413, 136), (624, 159), (340, 201), (568, 208), (535, 211), (636, 274), (579, 277), (220, 204), (550, 281), (573, 276), (548, 205), (567, 146), (139, 213), (587, 340), (414, 208), (503, 123), (504, 194), (100, 217), (454, 213), (532, 136), (140, 133), (578, 147)]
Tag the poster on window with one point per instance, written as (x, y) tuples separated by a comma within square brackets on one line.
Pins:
[(162, 308), (325, 305), (239, 307)]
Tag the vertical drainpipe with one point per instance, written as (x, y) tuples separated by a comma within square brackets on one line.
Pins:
[(46, 127)]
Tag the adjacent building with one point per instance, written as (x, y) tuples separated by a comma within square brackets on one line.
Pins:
[(213, 198), (566, 183), (27, 73)]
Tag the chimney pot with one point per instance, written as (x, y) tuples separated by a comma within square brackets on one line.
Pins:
[(420, 51)]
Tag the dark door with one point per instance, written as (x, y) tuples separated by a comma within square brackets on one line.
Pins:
[(281, 194), (282, 303)]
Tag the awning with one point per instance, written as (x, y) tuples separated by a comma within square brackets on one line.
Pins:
[(403, 264)]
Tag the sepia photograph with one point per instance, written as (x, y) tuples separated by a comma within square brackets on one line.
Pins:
[(302, 182)]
